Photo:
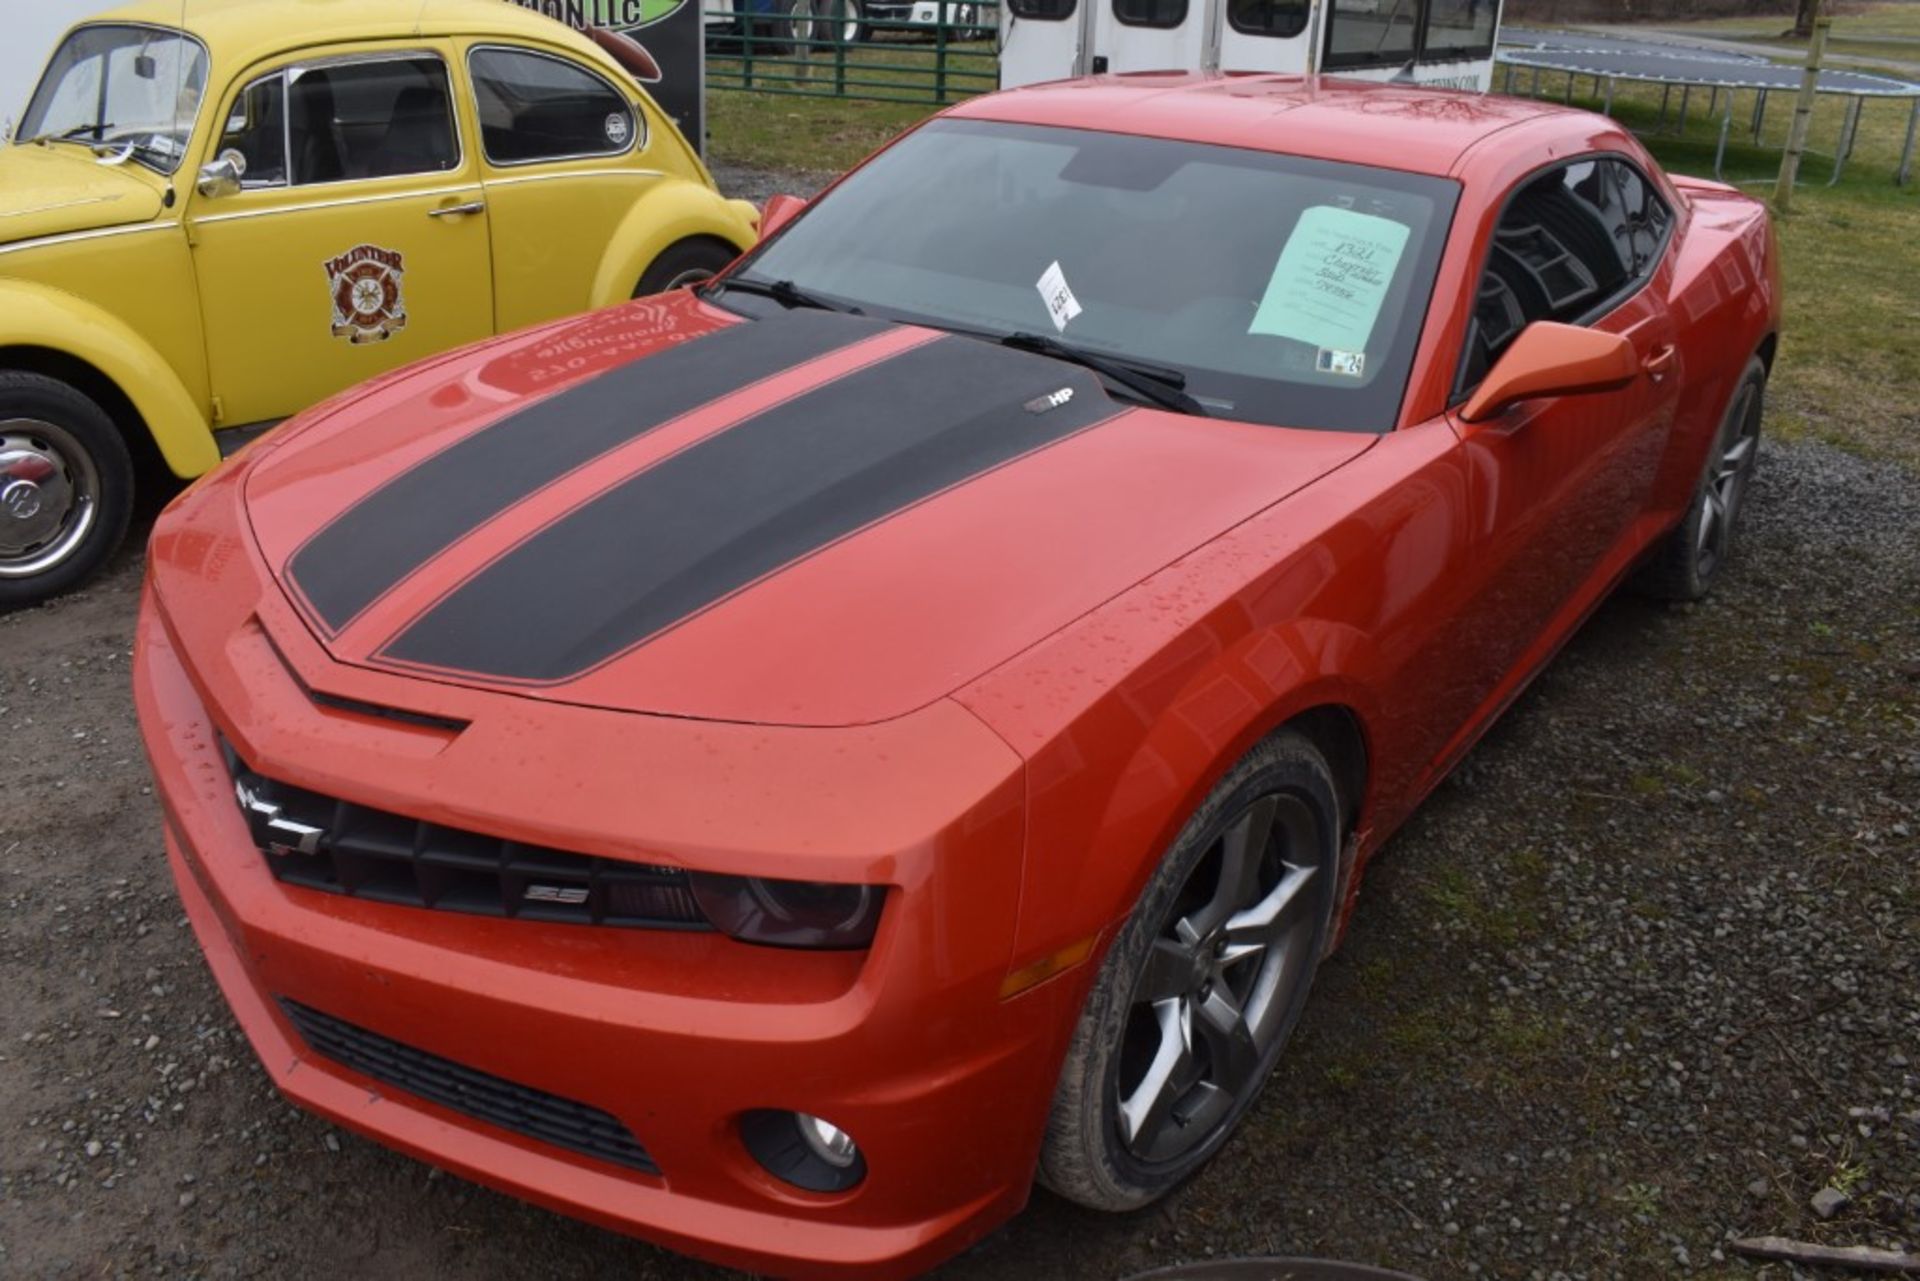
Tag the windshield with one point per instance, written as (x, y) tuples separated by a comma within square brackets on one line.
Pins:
[(1286, 291), (121, 86)]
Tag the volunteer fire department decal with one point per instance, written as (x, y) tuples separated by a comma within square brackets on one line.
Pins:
[(367, 303)]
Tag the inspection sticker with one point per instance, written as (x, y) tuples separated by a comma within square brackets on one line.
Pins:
[(1062, 306), (1348, 364)]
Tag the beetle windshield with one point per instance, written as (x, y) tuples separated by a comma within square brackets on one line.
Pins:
[(1277, 289), (127, 88)]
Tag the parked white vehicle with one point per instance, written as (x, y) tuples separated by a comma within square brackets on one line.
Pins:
[(1434, 42)]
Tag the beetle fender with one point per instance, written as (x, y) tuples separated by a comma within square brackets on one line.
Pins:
[(672, 210), (33, 315)]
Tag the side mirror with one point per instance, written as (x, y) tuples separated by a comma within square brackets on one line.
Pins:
[(1550, 359), (780, 211), (221, 176)]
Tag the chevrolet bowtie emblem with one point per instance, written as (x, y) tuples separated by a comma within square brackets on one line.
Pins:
[(277, 833)]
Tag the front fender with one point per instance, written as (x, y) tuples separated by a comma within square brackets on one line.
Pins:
[(672, 210), (35, 315)]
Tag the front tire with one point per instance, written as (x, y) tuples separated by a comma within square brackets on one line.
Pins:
[(66, 488), (1199, 993), (687, 262), (1684, 565)]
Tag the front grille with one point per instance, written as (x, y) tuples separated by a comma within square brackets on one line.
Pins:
[(324, 843), (519, 1108)]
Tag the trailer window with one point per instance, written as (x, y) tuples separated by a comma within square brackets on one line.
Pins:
[(1150, 13), (1364, 32), (1281, 18), (1459, 28), (1043, 10)]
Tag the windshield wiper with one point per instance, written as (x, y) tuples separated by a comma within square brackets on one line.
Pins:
[(1164, 387), (98, 131), (784, 292)]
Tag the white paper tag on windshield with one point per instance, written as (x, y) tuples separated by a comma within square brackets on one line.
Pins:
[(1061, 304), (1331, 280)]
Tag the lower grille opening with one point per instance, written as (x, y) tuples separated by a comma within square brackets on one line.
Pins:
[(518, 1108)]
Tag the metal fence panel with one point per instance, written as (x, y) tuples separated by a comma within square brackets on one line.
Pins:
[(918, 51)]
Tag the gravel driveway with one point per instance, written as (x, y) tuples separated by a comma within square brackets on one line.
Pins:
[(1645, 973)]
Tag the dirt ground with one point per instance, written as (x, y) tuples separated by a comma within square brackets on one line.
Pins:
[(1645, 974)]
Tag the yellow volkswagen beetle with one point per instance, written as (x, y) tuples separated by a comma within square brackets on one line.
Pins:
[(205, 228)]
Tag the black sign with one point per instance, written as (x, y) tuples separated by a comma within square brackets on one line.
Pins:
[(662, 43)]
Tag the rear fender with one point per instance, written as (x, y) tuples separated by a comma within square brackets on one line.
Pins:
[(672, 210)]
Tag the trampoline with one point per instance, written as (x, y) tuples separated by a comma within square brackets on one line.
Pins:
[(1687, 67)]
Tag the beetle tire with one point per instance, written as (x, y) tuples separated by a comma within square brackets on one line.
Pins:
[(30, 398), (686, 262)]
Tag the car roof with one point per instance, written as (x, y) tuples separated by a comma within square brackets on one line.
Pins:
[(238, 32), (1392, 126)]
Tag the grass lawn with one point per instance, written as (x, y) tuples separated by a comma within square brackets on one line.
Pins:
[(1862, 30), (1848, 371)]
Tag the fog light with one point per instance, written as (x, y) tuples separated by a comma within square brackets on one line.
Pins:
[(804, 1150), (829, 1142)]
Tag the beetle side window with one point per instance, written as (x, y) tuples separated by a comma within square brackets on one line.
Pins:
[(1570, 245), (537, 107), (381, 118), (256, 128)]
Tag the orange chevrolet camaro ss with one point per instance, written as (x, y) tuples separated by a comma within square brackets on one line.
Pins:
[(776, 768)]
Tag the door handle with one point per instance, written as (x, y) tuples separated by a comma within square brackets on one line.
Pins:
[(1660, 361), (454, 211)]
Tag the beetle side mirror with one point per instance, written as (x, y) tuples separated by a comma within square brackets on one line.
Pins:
[(780, 211), (221, 176), (1550, 359)]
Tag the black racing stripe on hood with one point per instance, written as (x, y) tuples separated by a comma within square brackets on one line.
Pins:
[(385, 536), (738, 506)]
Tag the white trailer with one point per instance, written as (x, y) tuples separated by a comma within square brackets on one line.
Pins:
[(1433, 42)]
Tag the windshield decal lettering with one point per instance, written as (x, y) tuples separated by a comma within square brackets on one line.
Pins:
[(1062, 306), (364, 284), (1331, 280)]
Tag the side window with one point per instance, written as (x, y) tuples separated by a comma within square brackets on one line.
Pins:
[(256, 128), (382, 118), (1043, 10), (1459, 28), (1569, 243), (1368, 32), (1283, 18), (534, 106), (1150, 13)]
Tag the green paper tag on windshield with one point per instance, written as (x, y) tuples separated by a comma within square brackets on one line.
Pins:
[(1331, 279)]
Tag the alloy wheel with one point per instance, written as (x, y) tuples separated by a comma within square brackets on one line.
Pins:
[(1220, 984), (1726, 483), (49, 496)]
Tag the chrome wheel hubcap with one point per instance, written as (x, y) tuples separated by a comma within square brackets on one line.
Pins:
[(1220, 980), (1726, 486), (49, 496)]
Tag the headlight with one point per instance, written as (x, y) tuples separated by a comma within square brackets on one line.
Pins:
[(790, 913)]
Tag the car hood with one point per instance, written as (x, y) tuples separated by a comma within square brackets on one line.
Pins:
[(53, 189), (810, 519)]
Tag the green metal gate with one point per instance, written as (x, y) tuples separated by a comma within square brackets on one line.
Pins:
[(918, 51)]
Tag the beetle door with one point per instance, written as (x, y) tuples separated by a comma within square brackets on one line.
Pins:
[(356, 241), (561, 150)]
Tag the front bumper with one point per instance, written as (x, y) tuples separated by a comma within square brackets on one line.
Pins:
[(907, 1046)]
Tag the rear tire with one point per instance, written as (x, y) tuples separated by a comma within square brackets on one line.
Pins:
[(1197, 996), (66, 488), (687, 262), (1684, 565)]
